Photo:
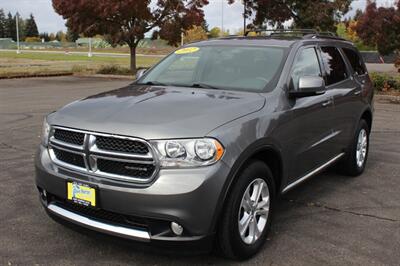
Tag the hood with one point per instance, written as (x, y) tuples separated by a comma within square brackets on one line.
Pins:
[(157, 112)]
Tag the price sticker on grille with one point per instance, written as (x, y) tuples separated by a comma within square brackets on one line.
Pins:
[(81, 194)]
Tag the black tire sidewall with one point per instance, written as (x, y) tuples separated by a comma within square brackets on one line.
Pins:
[(253, 171)]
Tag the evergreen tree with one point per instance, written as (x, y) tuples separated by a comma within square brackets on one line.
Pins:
[(2, 24), (31, 29), (60, 36), (72, 36), (44, 36), (10, 28), (21, 26)]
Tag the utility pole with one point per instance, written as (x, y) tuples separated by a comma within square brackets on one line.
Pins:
[(222, 18), (90, 54), (244, 17), (17, 23), (182, 37)]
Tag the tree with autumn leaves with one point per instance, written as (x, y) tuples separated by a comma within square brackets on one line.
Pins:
[(305, 14), (127, 22), (380, 27)]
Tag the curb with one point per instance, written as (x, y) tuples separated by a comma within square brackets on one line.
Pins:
[(105, 76), (381, 98), (21, 76)]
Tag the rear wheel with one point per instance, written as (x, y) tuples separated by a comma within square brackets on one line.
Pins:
[(356, 158), (248, 212)]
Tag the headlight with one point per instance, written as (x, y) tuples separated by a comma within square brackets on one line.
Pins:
[(183, 153), (45, 133), (174, 149)]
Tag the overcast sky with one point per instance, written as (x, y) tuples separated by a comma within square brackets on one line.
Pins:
[(49, 21)]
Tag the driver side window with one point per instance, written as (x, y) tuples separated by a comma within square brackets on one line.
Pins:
[(306, 64)]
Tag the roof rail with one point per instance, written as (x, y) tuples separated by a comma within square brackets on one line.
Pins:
[(301, 33), (282, 31)]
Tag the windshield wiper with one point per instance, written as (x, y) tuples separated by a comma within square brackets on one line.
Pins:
[(205, 86), (153, 83)]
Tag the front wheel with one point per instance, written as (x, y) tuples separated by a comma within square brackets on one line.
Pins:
[(248, 212), (356, 158)]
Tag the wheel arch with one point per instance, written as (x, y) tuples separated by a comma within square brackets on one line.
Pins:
[(260, 150), (367, 116)]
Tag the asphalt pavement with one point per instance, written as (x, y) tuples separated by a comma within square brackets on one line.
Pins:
[(330, 220)]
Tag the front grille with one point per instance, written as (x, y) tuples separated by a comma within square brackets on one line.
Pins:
[(70, 137), (121, 145), (126, 169), (69, 157), (119, 158)]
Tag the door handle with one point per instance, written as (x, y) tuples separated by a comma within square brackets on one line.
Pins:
[(357, 92), (327, 103)]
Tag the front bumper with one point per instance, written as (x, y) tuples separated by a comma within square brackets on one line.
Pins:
[(188, 197)]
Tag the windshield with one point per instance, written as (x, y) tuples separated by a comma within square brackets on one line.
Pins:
[(219, 67)]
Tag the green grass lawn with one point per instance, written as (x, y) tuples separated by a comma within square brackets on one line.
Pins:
[(27, 63)]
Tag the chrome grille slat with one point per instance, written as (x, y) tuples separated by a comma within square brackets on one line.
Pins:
[(58, 143), (70, 157), (96, 150), (121, 165)]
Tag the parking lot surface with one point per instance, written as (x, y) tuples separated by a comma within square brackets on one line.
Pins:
[(331, 219)]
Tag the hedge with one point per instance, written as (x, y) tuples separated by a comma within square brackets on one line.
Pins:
[(385, 82)]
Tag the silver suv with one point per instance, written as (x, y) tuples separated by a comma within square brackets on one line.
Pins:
[(200, 146)]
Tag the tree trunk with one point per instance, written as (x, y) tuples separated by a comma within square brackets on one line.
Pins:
[(133, 59)]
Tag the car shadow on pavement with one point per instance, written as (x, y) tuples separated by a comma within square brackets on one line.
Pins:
[(287, 215)]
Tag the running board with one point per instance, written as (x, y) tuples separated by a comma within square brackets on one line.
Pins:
[(312, 173)]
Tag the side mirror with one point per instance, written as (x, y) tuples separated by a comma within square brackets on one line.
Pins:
[(309, 86), (140, 73)]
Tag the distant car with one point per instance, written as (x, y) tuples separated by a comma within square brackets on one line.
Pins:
[(199, 147)]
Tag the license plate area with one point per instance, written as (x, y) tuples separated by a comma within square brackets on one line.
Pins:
[(81, 194)]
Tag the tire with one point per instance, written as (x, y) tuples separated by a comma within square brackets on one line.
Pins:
[(351, 164), (231, 243)]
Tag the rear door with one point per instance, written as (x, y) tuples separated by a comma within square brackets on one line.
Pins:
[(346, 88)]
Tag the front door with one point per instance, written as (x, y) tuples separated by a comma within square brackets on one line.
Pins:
[(312, 139)]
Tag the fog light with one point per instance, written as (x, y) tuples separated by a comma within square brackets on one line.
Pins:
[(176, 228), (43, 195)]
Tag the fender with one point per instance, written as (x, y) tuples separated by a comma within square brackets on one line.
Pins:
[(365, 110), (249, 152)]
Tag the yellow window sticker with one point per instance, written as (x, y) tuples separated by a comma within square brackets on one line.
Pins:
[(188, 50)]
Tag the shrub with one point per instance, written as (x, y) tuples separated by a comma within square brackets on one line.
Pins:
[(114, 70), (385, 82), (81, 69), (33, 39), (397, 62)]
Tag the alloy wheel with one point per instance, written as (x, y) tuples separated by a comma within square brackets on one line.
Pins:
[(254, 210), (362, 146)]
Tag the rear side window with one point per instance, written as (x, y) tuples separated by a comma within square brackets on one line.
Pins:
[(306, 65), (355, 61), (334, 65)]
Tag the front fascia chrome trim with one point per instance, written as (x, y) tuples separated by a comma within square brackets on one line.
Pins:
[(96, 150), (312, 173), (120, 231)]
